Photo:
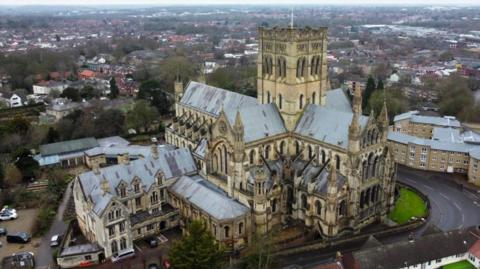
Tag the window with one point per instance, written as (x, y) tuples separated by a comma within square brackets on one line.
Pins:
[(240, 228), (136, 188), (111, 215), (412, 155), (252, 156), (111, 231), (422, 164), (318, 207), (88, 257), (304, 202), (138, 202), (280, 101), (274, 205), (226, 230), (114, 247), (118, 213), (337, 162), (123, 243), (149, 227), (424, 150), (123, 192), (423, 157), (154, 198), (300, 104), (122, 226)]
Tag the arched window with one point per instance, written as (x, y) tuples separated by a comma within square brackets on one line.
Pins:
[(323, 156), (365, 170), (226, 230), (371, 159), (342, 209), (280, 101), (297, 147), (304, 201), (216, 165), (123, 243), (282, 147), (114, 247), (240, 228), (318, 208), (274, 205), (314, 96), (225, 158), (362, 199), (301, 101), (268, 97), (337, 162), (252, 156), (267, 152), (310, 152)]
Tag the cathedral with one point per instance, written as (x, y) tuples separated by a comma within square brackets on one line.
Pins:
[(298, 154)]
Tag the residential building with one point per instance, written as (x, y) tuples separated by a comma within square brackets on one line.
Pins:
[(413, 123), (46, 87)]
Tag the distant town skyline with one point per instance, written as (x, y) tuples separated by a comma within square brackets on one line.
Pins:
[(235, 2)]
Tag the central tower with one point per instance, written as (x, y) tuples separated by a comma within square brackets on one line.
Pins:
[(292, 69)]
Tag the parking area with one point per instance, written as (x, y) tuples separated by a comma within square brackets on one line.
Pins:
[(23, 223)]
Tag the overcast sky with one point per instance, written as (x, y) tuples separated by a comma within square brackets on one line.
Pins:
[(207, 2)]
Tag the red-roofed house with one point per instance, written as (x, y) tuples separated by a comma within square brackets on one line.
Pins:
[(474, 254), (86, 74)]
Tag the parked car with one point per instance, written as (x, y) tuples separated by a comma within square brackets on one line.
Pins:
[(152, 242), (7, 209), (8, 215), (3, 231), (55, 240), (122, 255), (19, 237)]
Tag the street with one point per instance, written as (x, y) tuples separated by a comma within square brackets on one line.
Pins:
[(452, 207)]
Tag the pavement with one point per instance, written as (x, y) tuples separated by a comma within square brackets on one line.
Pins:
[(44, 257), (452, 207)]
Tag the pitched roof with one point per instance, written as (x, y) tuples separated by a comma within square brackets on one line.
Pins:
[(210, 99), (446, 121), (327, 125), (208, 198), (433, 144), (259, 121), (172, 163), (68, 146), (338, 100)]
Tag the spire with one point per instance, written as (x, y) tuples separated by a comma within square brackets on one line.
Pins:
[(357, 101), (383, 117), (238, 120), (354, 128)]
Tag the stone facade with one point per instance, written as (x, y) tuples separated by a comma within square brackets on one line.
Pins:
[(298, 153)]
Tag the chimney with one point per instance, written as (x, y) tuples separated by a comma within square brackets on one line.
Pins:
[(154, 151)]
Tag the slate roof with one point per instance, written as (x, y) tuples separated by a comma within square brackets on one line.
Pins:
[(319, 176), (338, 100), (259, 121), (433, 144), (424, 249), (445, 121), (327, 125), (68, 146), (210, 99), (172, 163), (475, 153), (212, 200), (447, 135)]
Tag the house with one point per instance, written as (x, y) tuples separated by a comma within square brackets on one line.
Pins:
[(46, 87), (16, 98)]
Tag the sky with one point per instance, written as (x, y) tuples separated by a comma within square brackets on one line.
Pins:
[(253, 2)]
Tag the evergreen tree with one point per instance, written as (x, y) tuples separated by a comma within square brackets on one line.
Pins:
[(72, 94), (113, 89), (52, 135), (369, 89), (198, 249), (380, 84)]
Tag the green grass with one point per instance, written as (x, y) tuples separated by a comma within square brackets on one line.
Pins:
[(459, 265), (408, 205)]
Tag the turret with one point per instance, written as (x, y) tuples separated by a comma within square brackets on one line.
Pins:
[(178, 85), (354, 129), (260, 178), (384, 121)]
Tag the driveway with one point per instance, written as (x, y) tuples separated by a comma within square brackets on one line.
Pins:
[(24, 223), (44, 255)]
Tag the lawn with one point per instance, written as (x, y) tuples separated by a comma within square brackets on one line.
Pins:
[(459, 265), (408, 205)]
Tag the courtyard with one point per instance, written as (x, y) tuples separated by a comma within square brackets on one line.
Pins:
[(24, 223), (409, 205)]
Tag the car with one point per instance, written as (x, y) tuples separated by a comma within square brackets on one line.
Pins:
[(8, 215), (152, 242), (55, 240), (3, 231), (122, 255), (7, 209), (19, 237)]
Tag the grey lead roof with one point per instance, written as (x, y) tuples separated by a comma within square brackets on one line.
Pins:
[(68, 146), (338, 100), (211, 99), (446, 121), (327, 125), (172, 163), (259, 121), (433, 144), (208, 198)]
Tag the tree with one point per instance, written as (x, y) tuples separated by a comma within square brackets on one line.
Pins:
[(52, 135), (396, 103), (18, 125), (455, 97), (13, 176), (380, 84), (369, 89), (113, 89), (26, 164), (109, 122), (142, 116), (150, 90), (198, 249), (259, 254), (72, 94)]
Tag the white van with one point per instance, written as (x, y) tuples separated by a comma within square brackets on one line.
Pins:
[(124, 254)]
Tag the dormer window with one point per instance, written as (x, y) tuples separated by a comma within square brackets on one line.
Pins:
[(136, 187), (123, 192), (160, 178)]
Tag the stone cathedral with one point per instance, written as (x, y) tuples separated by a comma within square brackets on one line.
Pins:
[(298, 154)]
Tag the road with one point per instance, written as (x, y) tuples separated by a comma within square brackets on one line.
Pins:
[(452, 207), (44, 256)]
